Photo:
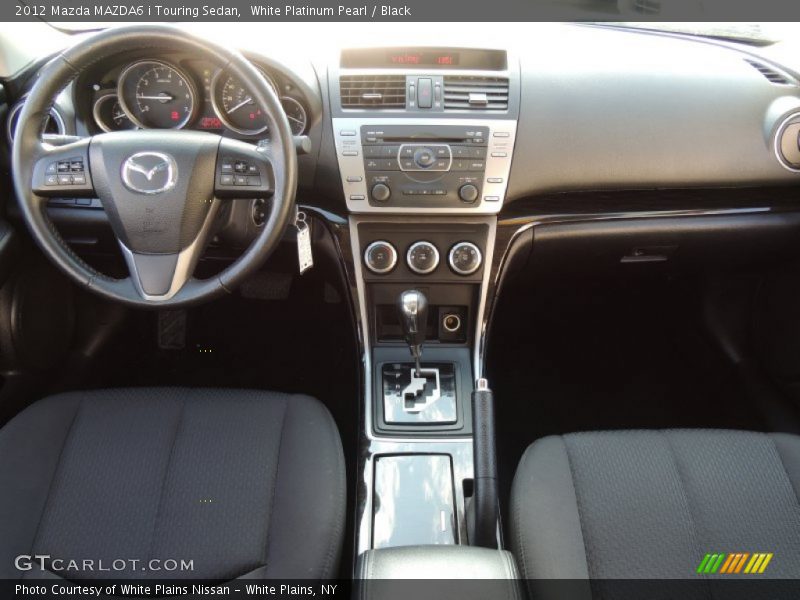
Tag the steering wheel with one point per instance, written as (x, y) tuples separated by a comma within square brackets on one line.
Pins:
[(161, 189)]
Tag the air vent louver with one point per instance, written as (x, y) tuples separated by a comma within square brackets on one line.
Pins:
[(373, 91), (463, 92), (773, 75)]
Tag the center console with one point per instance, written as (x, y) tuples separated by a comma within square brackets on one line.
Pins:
[(424, 139)]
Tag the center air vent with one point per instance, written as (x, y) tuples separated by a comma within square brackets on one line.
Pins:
[(773, 75), (464, 92), (373, 91)]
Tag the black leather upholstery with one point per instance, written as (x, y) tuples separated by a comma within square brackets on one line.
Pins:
[(651, 504), (243, 483)]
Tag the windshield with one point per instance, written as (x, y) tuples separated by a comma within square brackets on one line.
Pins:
[(763, 33)]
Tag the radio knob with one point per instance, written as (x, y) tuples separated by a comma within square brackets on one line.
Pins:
[(381, 192), (468, 193)]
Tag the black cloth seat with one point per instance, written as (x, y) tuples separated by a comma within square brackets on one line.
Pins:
[(651, 504), (241, 483)]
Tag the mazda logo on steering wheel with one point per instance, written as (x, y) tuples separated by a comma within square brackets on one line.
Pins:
[(149, 172)]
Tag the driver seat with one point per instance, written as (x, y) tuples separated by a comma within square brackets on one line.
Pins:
[(242, 483)]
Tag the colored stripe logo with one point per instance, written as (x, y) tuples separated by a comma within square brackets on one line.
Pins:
[(734, 563)]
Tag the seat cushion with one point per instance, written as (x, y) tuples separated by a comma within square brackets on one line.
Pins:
[(651, 504), (241, 483)]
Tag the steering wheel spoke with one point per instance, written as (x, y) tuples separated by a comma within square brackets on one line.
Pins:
[(63, 171), (243, 170), (159, 276)]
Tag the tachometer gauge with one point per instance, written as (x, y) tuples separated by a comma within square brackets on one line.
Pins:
[(156, 95), (235, 106), (108, 114), (296, 115)]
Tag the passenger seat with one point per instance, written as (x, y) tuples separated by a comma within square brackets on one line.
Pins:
[(652, 504)]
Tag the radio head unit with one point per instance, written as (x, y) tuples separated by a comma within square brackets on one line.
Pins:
[(455, 166)]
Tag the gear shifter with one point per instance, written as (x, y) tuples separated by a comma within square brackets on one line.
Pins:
[(413, 307)]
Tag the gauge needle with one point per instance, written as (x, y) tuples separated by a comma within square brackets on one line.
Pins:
[(298, 121), (161, 96), (247, 100)]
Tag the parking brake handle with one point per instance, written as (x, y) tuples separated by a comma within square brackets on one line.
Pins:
[(484, 499)]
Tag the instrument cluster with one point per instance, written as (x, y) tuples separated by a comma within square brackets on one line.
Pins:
[(155, 93)]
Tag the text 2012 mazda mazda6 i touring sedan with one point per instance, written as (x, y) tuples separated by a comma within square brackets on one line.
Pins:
[(288, 314)]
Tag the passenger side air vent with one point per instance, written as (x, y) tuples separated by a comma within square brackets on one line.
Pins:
[(373, 91), (773, 75), (464, 92)]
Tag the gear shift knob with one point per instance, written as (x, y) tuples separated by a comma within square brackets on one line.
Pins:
[(413, 307)]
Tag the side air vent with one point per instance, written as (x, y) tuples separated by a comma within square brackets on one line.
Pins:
[(373, 91), (464, 92), (773, 75), (54, 124)]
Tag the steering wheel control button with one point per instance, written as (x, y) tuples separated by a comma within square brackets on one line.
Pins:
[(380, 257), (381, 192), (465, 258), (422, 257), (238, 173), (468, 193), (65, 173)]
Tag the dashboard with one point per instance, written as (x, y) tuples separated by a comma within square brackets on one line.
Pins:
[(473, 128)]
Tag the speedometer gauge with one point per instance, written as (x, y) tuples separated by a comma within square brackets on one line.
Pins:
[(157, 95), (235, 106)]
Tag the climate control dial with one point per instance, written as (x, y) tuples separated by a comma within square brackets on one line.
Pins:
[(422, 257), (465, 258), (380, 257)]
